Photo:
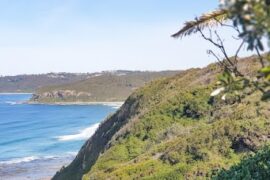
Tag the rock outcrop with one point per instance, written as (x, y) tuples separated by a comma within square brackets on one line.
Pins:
[(60, 94)]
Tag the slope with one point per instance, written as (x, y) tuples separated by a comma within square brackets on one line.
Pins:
[(169, 129), (107, 86), (29, 83)]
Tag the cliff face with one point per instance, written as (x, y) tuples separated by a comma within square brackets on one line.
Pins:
[(61, 94), (171, 129), (98, 142)]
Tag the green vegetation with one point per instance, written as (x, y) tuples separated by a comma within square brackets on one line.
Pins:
[(250, 21), (172, 129), (176, 130), (29, 83), (102, 87), (252, 167), (253, 19)]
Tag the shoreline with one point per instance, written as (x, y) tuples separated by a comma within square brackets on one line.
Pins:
[(106, 103), (117, 103), (14, 93), (34, 169)]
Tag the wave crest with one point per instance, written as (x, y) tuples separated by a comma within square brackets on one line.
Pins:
[(82, 135), (20, 160), (11, 102), (36, 158)]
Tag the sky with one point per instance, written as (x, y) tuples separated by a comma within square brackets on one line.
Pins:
[(41, 36)]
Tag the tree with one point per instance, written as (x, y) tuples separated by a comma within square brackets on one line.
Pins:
[(251, 20), (206, 20)]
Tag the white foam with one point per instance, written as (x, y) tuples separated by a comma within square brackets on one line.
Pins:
[(20, 160), (82, 135), (10, 102), (13, 102), (33, 158), (114, 105)]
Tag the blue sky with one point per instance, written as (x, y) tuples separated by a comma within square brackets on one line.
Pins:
[(39, 36)]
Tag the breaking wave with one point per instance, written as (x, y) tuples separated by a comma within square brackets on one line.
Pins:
[(82, 135), (20, 160)]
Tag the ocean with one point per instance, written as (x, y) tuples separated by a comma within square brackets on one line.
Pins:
[(37, 140)]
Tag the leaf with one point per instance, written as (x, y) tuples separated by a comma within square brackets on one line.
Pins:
[(260, 45), (265, 70), (206, 20), (266, 96)]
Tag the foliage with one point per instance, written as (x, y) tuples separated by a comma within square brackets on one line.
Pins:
[(206, 20), (252, 167), (251, 22), (166, 142), (101, 87), (30, 83), (253, 17), (266, 72)]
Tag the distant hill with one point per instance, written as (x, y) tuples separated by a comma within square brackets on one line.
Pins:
[(109, 86), (29, 83)]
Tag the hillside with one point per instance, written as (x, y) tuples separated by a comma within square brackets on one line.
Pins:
[(29, 83), (103, 87), (171, 129)]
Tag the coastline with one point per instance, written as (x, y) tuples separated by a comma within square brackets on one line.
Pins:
[(105, 103), (117, 103), (12, 93)]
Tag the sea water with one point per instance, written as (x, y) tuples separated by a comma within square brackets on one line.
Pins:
[(37, 140)]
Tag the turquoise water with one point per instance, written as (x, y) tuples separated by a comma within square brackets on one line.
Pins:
[(36, 133)]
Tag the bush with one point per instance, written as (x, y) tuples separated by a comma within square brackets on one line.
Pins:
[(252, 167)]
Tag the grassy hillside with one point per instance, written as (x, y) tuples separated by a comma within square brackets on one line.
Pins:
[(107, 86), (29, 83), (171, 129)]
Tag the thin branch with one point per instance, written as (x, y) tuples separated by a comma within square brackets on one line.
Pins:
[(238, 50), (230, 66), (260, 57), (227, 25), (258, 87), (221, 63), (236, 38), (223, 49), (208, 39)]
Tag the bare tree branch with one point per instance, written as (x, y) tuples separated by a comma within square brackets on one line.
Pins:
[(237, 52), (227, 64), (260, 57), (228, 25)]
